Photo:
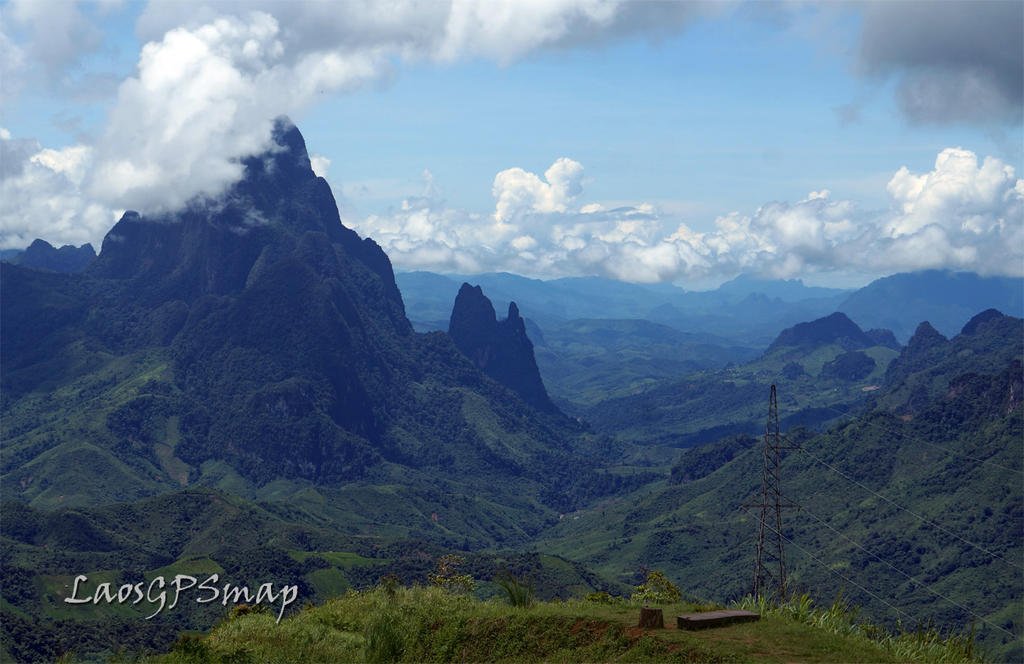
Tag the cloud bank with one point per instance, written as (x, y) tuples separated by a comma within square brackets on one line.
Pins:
[(963, 214)]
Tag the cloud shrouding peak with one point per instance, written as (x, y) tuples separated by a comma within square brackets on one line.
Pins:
[(962, 215), (201, 101)]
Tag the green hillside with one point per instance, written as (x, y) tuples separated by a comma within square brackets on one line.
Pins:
[(201, 532), (823, 378), (430, 624), (587, 361), (914, 505)]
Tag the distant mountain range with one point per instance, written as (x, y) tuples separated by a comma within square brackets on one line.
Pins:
[(597, 338), (787, 290), (430, 296), (945, 299), (41, 255), (747, 311)]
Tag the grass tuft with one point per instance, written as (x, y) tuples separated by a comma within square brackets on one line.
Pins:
[(518, 593)]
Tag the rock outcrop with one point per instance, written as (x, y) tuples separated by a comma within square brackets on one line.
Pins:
[(499, 348)]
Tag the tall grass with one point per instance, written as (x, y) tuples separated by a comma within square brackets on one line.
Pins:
[(924, 644), (384, 638)]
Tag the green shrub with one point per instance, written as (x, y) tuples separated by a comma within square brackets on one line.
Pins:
[(656, 590), (446, 575), (800, 608), (192, 648), (925, 644), (240, 610)]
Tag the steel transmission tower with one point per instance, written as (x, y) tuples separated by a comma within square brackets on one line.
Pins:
[(770, 568)]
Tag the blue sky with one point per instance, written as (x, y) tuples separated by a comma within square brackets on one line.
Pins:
[(723, 117), (719, 113)]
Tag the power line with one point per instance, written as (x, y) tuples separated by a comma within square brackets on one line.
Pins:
[(910, 511), (863, 420), (771, 501), (844, 577), (901, 572), (962, 488)]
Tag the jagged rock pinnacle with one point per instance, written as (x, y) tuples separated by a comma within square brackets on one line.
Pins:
[(501, 349)]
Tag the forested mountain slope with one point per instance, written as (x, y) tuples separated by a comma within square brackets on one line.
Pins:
[(914, 502)]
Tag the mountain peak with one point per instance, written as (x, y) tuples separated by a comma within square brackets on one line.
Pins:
[(924, 347), (972, 326), (472, 310), (221, 244), (834, 328), (286, 158), (41, 255), (278, 188), (501, 349), (925, 336)]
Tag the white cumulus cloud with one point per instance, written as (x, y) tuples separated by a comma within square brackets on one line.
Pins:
[(519, 192), (962, 214), (211, 78), (40, 195)]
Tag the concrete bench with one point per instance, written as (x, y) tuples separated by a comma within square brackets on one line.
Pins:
[(709, 619)]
